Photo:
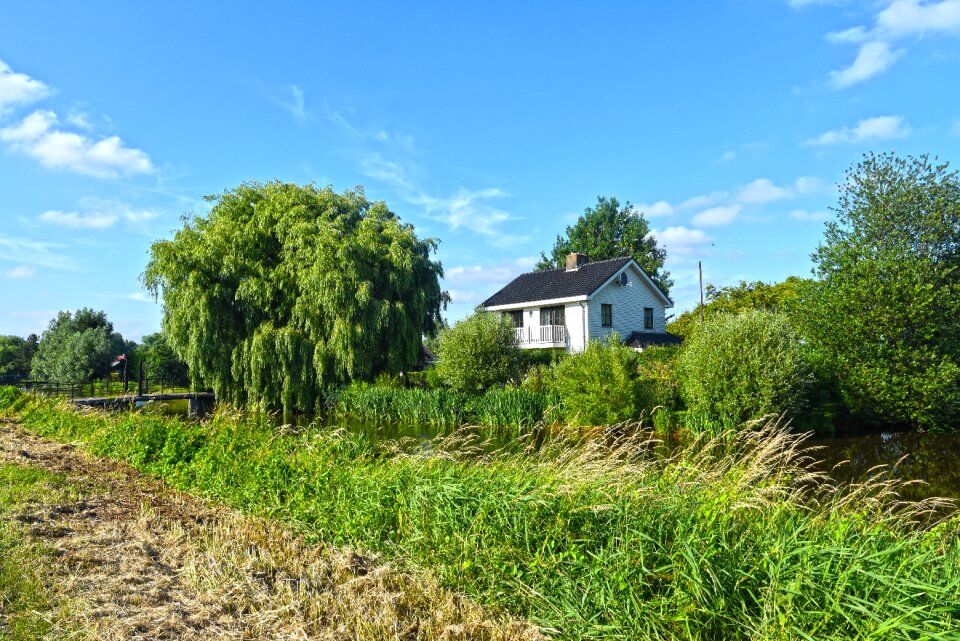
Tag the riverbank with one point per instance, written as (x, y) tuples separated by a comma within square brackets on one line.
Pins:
[(734, 537)]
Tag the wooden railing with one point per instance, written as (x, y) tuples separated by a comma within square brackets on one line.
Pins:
[(104, 387)]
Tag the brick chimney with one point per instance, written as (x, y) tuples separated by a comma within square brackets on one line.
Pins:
[(575, 261)]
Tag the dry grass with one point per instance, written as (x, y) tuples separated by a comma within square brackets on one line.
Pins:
[(136, 560)]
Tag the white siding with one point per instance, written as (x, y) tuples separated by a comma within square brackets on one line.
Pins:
[(628, 302), (574, 316)]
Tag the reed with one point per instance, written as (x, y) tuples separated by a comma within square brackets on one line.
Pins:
[(734, 536)]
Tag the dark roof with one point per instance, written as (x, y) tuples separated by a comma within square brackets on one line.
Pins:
[(650, 339), (556, 283)]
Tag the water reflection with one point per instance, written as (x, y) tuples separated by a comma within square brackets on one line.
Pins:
[(925, 456)]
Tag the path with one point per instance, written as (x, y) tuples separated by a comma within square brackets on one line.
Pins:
[(137, 560)]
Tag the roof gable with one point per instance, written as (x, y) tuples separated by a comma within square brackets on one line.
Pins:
[(557, 283)]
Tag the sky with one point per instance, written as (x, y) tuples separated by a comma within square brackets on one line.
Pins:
[(490, 126)]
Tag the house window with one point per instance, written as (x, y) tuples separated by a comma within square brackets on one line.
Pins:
[(515, 317), (648, 318), (606, 315), (551, 316)]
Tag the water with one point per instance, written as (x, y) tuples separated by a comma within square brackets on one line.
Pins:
[(926, 456)]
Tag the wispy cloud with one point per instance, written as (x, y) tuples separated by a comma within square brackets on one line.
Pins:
[(99, 214), (291, 99), (762, 190), (391, 159), (19, 89), (21, 272), (680, 240), (36, 253), (897, 21), (803, 214), (659, 209), (727, 156), (39, 137), (878, 128)]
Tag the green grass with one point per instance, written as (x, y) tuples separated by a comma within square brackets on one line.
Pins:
[(23, 595), (509, 408), (733, 537)]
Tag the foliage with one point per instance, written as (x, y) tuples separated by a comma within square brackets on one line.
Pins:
[(285, 290), (159, 360), (884, 309), (660, 384), (477, 352), (610, 230), (599, 385), (742, 367), (774, 297), (16, 354), (77, 347), (733, 538)]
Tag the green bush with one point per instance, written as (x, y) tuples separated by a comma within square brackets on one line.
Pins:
[(599, 386), (477, 352), (742, 367)]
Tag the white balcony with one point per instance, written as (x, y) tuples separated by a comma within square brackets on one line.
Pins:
[(543, 336)]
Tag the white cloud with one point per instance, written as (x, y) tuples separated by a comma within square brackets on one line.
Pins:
[(681, 240), (470, 210), (140, 297), (878, 128), (31, 252), (293, 100), (21, 271), (658, 209), (874, 58), (101, 214), (900, 19), (762, 190), (37, 136), (956, 128), (19, 88), (912, 17), (727, 156), (805, 185), (79, 119), (715, 216), (802, 214)]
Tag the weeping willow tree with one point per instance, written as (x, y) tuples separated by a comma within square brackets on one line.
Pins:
[(284, 290)]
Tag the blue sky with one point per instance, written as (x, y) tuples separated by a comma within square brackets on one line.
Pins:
[(490, 126)]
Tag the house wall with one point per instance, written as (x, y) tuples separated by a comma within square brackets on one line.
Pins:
[(575, 316), (628, 302)]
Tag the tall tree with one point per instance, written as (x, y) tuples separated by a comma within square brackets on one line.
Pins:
[(159, 360), (610, 230), (284, 290), (884, 310), (16, 354), (76, 347)]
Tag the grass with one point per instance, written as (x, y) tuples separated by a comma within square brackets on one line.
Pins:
[(504, 409), (733, 537), (23, 561)]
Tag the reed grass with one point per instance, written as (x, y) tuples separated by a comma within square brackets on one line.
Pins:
[(443, 407), (734, 536)]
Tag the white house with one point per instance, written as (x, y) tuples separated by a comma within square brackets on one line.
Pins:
[(571, 306)]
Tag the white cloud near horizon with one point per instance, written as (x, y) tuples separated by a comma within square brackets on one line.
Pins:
[(100, 215), (19, 89), (877, 128), (898, 20), (39, 137)]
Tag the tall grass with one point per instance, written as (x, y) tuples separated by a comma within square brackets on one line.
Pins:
[(443, 407), (732, 537)]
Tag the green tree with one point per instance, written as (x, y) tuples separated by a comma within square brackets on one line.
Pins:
[(610, 230), (478, 352), (883, 313), (599, 386), (283, 290), (159, 360), (16, 353), (744, 366), (76, 347), (733, 299)]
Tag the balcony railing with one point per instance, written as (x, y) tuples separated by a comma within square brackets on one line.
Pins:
[(544, 336)]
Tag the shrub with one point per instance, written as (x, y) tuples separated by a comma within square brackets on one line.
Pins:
[(599, 386), (477, 352), (742, 367)]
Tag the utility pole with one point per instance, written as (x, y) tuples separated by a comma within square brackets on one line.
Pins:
[(700, 267)]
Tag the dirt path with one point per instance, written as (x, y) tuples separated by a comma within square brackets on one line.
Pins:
[(137, 560)]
